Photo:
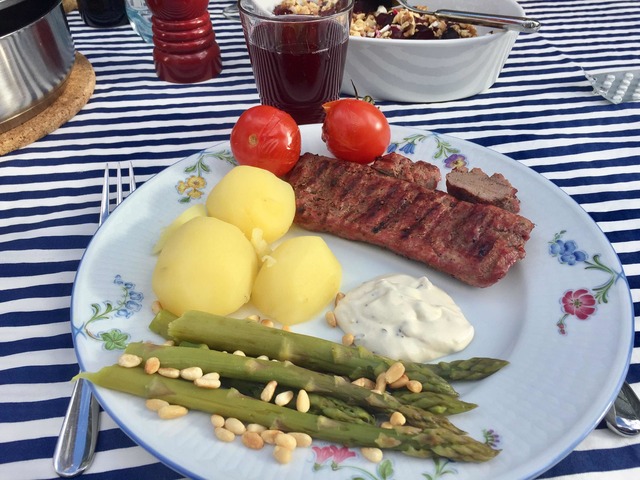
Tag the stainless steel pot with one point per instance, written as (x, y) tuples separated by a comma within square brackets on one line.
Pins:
[(36, 57)]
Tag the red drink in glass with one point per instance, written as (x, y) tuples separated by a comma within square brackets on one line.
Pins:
[(298, 60)]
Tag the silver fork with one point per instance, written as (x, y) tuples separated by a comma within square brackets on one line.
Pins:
[(79, 433)]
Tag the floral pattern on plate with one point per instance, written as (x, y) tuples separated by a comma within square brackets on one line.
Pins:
[(192, 187), (335, 458), (128, 304), (450, 156), (583, 302)]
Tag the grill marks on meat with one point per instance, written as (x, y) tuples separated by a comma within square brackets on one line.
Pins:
[(474, 243), (401, 167)]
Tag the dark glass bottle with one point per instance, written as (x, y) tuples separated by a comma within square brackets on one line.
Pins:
[(103, 13)]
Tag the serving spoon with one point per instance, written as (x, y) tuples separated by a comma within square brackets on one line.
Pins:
[(518, 24), (623, 417)]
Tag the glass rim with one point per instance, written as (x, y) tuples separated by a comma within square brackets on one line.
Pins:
[(296, 18)]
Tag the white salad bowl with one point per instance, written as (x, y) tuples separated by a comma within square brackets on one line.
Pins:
[(417, 71)]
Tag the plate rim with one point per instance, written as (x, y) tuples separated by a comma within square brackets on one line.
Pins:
[(585, 431)]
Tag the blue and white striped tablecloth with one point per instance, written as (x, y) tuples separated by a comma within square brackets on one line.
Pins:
[(541, 112)]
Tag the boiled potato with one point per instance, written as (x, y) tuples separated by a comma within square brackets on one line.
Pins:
[(198, 210), (206, 264), (249, 198), (297, 281)]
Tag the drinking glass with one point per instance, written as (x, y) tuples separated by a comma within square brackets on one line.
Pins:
[(297, 60), (140, 18), (231, 12)]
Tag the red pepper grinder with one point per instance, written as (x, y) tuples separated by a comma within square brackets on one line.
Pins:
[(185, 48)]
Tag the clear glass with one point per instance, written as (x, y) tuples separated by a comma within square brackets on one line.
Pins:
[(231, 12), (297, 60), (140, 18)]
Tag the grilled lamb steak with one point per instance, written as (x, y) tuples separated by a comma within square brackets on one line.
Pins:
[(399, 166), (474, 243), (475, 186)]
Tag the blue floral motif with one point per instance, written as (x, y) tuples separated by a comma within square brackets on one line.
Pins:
[(407, 145), (582, 301), (408, 148), (129, 303), (450, 156), (567, 252)]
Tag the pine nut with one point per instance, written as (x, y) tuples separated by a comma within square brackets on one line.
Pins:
[(252, 440), (303, 440), (152, 365), (128, 360), (156, 307), (224, 435), (269, 436), (256, 427), (330, 317), (211, 376), (191, 373), (169, 372), (267, 323), (235, 426), (372, 454), (253, 318), (283, 398), (217, 420), (339, 296), (381, 383), (365, 383), (286, 441), (401, 382), (414, 386), (169, 412), (239, 353), (210, 383), (303, 403), (394, 372), (282, 455), (338, 380), (348, 339), (386, 425), (286, 328), (269, 390), (155, 404), (262, 357), (397, 418)]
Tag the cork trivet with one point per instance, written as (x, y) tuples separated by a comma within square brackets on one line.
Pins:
[(75, 94), (69, 5)]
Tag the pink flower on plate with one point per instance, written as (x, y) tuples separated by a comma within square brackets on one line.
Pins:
[(337, 454), (580, 303)]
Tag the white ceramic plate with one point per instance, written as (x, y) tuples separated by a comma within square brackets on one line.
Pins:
[(566, 364)]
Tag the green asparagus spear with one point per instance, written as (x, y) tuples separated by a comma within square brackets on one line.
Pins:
[(329, 407), (160, 323), (231, 403), (433, 402), (222, 333), (286, 373), (475, 368)]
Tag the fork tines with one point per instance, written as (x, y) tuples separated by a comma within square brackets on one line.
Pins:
[(105, 201)]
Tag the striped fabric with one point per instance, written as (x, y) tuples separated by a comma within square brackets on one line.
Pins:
[(541, 112)]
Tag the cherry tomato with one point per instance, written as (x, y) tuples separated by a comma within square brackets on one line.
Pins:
[(268, 138), (355, 130)]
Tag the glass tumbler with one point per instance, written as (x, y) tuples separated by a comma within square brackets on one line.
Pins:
[(140, 18), (297, 60)]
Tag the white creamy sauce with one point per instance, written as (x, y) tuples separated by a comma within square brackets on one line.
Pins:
[(404, 317)]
